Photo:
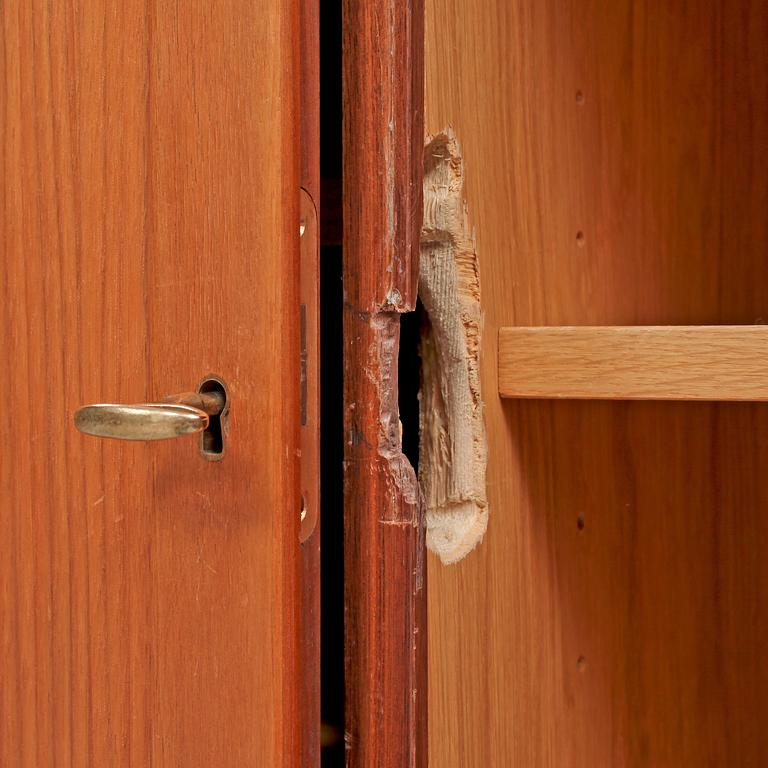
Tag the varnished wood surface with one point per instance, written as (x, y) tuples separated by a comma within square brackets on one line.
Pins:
[(385, 651), (383, 139), (617, 174), (309, 296), (150, 606), (716, 362)]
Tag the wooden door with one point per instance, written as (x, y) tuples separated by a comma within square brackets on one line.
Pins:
[(150, 222), (616, 173)]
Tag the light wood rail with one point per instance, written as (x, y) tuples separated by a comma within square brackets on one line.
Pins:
[(635, 362)]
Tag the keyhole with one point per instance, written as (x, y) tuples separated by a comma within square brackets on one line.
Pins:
[(212, 439)]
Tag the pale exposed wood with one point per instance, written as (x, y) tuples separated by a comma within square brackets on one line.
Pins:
[(452, 445), (615, 612), (149, 215), (635, 362)]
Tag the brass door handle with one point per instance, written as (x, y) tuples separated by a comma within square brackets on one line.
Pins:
[(175, 416)]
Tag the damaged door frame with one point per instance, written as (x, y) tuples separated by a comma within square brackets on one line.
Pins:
[(384, 551)]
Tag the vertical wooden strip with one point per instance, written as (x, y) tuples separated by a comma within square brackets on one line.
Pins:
[(310, 439), (383, 139), (384, 532), (309, 31)]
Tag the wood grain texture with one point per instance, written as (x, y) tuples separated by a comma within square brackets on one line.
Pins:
[(716, 362), (383, 135), (150, 598), (309, 296), (383, 517), (616, 161), (453, 450)]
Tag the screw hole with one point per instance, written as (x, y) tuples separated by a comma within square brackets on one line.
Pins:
[(580, 522)]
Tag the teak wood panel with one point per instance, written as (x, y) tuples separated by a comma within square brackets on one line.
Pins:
[(699, 362), (616, 162), (150, 598)]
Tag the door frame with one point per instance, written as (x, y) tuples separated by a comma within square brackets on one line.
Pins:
[(384, 550)]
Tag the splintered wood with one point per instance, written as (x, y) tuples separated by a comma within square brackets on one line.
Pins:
[(453, 448)]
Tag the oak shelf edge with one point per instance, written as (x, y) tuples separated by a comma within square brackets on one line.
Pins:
[(726, 362)]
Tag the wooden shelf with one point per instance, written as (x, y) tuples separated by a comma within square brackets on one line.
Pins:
[(635, 363)]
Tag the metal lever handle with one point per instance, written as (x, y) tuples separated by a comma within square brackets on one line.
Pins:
[(175, 416)]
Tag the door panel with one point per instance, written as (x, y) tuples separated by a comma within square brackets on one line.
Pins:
[(616, 174), (150, 611)]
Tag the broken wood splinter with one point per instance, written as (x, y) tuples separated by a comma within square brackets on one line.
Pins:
[(452, 450)]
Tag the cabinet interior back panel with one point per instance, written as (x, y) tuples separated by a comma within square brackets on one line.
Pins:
[(616, 163)]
